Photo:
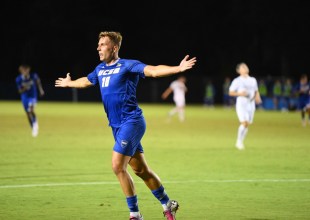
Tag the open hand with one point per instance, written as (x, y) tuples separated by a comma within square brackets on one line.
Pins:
[(63, 82), (187, 64)]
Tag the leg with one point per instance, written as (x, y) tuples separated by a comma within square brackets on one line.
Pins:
[(29, 117), (141, 169), (34, 122), (119, 166), (303, 116), (244, 118), (181, 112), (172, 111), (242, 131), (180, 108)]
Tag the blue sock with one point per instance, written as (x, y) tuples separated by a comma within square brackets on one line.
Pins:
[(132, 203), (161, 195)]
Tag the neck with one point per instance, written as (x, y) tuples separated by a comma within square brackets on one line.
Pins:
[(112, 61)]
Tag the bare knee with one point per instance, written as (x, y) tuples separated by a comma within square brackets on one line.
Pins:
[(118, 168), (143, 172), (245, 124)]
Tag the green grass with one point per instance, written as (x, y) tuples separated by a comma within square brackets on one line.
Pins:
[(195, 160)]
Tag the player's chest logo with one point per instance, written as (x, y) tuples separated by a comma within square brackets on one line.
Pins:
[(27, 83), (106, 76)]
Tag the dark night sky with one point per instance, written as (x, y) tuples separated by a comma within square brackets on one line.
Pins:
[(60, 36)]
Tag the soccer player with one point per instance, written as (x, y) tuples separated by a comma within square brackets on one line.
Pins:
[(307, 110), (209, 95), (178, 88), (302, 89), (263, 91), (118, 79), (245, 89), (27, 84), (227, 99), (277, 93)]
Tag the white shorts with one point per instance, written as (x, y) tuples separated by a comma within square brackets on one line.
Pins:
[(179, 102), (245, 112)]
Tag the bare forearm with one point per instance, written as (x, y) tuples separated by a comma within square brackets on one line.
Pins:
[(164, 70), (235, 94), (166, 93), (79, 83), (161, 70), (258, 98), (39, 85)]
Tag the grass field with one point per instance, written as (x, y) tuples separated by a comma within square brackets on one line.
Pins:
[(65, 172)]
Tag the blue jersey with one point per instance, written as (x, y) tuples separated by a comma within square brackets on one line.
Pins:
[(28, 83), (303, 90), (118, 84)]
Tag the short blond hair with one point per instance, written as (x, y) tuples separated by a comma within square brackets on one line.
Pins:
[(116, 37)]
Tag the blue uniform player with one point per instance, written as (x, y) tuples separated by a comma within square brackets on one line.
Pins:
[(118, 79), (27, 85), (303, 89)]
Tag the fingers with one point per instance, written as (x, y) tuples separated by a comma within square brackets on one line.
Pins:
[(68, 75), (192, 60), (58, 83)]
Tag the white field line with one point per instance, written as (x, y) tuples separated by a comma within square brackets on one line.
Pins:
[(165, 182)]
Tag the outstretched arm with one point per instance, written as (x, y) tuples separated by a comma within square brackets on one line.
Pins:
[(236, 94), (166, 93), (258, 99), (78, 83), (39, 85), (163, 70)]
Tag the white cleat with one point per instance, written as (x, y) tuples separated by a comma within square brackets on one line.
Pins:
[(239, 145), (35, 129)]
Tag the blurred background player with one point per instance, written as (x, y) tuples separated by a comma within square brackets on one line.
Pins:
[(178, 88), (245, 89), (307, 110), (302, 89), (209, 94), (27, 85), (228, 101), (276, 93), (287, 94), (263, 91)]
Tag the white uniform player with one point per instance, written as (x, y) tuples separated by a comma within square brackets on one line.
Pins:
[(245, 89), (178, 88)]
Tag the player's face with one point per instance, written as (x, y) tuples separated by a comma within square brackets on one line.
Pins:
[(304, 80), (106, 49), (24, 70), (183, 79), (243, 69)]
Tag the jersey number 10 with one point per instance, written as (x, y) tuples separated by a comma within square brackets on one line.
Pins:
[(105, 81)]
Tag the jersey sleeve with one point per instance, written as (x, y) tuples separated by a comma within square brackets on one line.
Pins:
[(137, 67), (256, 86), (18, 83), (234, 86), (35, 76), (92, 77), (173, 85)]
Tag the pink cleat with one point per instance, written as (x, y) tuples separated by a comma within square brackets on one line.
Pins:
[(173, 206), (135, 218)]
